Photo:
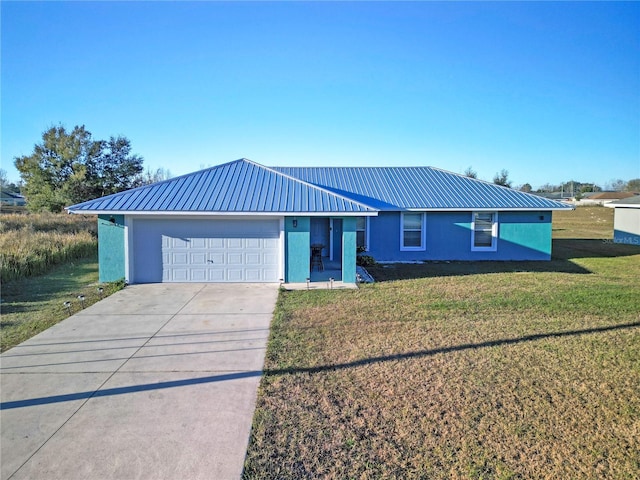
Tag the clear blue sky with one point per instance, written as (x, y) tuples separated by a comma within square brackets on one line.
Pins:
[(548, 91)]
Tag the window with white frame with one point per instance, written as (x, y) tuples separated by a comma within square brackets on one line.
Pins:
[(412, 231), (362, 237), (484, 229)]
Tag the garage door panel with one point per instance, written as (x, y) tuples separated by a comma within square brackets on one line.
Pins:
[(179, 258), (198, 258), (198, 274), (253, 243), (216, 259), (235, 275), (270, 259), (216, 275), (216, 242), (194, 250), (235, 259), (179, 243), (178, 275), (235, 243), (270, 275), (253, 258), (253, 275)]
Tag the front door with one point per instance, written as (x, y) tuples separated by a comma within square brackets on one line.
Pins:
[(336, 238), (320, 233)]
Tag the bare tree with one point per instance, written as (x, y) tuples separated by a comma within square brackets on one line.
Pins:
[(152, 176), (470, 172), (502, 178), (633, 185), (616, 185)]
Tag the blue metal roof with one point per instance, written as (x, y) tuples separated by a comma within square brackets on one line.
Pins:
[(244, 186), (241, 186), (422, 188)]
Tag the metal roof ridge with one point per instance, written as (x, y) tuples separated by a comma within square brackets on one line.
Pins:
[(315, 187)]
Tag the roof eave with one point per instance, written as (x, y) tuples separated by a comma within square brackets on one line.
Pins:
[(492, 209), (226, 213)]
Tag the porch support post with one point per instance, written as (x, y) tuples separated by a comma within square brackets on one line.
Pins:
[(349, 250), (297, 249)]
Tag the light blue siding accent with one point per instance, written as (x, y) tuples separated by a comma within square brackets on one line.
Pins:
[(297, 249), (349, 250), (111, 262), (521, 236), (524, 236)]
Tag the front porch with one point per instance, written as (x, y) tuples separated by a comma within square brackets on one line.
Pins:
[(333, 240), (332, 269)]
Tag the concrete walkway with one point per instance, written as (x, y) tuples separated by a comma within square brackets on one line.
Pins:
[(157, 381)]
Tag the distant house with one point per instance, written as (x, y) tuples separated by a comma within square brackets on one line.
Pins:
[(244, 222), (626, 220), (12, 199), (602, 198)]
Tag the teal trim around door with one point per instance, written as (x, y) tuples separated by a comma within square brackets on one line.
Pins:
[(111, 259)]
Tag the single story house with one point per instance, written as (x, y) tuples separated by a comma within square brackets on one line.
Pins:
[(603, 198), (12, 199), (626, 220), (244, 222)]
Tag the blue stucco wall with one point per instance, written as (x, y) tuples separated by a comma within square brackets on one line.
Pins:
[(111, 258), (297, 247), (521, 236), (349, 250)]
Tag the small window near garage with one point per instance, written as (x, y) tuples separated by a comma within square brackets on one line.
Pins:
[(412, 230), (484, 229), (362, 230)]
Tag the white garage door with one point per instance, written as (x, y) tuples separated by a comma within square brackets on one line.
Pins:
[(197, 250)]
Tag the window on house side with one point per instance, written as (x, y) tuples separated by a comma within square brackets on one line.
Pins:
[(485, 231), (361, 233), (412, 231)]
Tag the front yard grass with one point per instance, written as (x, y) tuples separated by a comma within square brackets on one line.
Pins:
[(518, 370), (31, 305)]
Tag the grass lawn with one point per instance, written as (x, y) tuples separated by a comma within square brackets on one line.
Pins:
[(460, 370), (34, 304)]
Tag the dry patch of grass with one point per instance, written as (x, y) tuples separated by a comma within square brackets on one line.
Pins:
[(519, 373), (31, 244), (584, 222)]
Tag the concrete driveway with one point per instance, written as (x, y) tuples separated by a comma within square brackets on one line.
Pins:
[(157, 381)]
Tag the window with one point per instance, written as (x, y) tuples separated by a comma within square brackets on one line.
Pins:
[(412, 231), (362, 230), (485, 232)]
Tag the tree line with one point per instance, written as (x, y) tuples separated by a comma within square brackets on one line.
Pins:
[(572, 187), (69, 167)]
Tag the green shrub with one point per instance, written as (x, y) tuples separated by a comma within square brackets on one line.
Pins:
[(365, 260)]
